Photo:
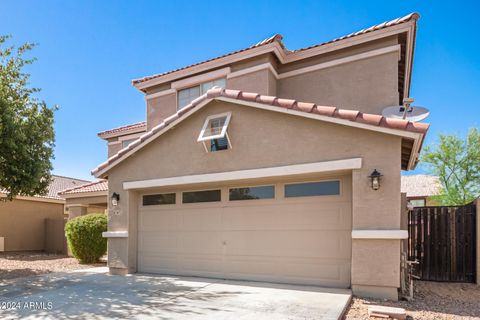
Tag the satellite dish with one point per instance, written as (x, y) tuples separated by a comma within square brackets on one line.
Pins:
[(410, 113)]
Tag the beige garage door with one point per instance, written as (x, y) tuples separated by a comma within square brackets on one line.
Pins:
[(299, 239)]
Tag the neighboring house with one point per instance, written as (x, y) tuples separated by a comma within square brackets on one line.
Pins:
[(256, 165), (420, 188), (86, 198), (35, 223)]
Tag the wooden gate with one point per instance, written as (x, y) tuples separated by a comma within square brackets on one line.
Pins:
[(443, 241)]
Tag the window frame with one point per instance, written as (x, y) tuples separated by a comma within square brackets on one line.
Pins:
[(159, 204), (339, 194), (200, 202), (253, 186), (222, 134), (200, 89)]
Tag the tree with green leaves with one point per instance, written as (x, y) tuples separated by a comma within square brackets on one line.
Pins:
[(456, 161), (26, 127)]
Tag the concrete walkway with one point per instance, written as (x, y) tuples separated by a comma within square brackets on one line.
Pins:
[(92, 294)]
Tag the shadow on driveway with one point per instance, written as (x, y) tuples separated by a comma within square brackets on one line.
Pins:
[(102, 296)]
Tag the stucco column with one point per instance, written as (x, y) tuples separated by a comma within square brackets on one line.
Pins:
[(76, 210), (376, 223)]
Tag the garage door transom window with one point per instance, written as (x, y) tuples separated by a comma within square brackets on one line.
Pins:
[(201, 196), (158, 199), (252, 193), (309, 189)]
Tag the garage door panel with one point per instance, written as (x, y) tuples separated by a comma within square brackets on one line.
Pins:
[(301, 243), (287, 216), (200, 218), (301, 240), (159, 221), (201, 242), (165, 242), (334, 273)]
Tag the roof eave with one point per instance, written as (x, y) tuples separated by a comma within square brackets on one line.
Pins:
[(290, 56), (143, 140)]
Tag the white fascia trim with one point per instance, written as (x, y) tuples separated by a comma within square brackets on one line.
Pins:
[(114, 142), (160, 94), (336, 62), (296, 169), (115, 234), (84, 194), (201, 78), (401, 133), (380, 234), (263, 66)]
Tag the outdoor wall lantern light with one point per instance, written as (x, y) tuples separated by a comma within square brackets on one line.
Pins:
[(375, 179), (115, 199)]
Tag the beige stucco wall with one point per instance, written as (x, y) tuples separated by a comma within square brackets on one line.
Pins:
[(367, 85), (160, 108), (265, 139), (262, 82), (22, 223)]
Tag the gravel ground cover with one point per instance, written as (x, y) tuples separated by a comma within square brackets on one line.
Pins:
[(432, 300), (23, 264)]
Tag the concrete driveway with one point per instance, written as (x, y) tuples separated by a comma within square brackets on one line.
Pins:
[(92, 294)]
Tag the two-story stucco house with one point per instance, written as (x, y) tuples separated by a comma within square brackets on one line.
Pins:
[(257, 165)]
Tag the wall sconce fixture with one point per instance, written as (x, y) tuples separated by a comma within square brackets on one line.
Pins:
[(375, 177), (115, 199)]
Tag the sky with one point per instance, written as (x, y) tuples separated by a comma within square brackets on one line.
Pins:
[(89, 51)]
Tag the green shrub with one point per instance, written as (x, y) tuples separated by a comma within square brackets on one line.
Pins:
[(84, 237)]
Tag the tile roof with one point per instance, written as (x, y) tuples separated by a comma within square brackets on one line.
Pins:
[(421, 185), (139, 126), (328, 111), (383, 25), (272, 39), (57, 184), (278, 38), (99, 185)]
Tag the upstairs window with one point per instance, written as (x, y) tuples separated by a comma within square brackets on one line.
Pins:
[(214, 135), (185, 96)]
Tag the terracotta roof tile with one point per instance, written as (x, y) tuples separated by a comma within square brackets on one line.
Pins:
[(278, 39), (57, 184), (134, 126), (386, 24), (100, 185), (272, 39), (349, 115)]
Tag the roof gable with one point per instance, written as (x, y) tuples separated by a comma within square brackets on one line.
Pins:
[(352, 118), (274, 45)]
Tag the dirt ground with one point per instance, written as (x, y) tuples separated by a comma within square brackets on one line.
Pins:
[(23, 264), (432, 300)]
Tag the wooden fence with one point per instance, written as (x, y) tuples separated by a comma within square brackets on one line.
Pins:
[(443, 241)]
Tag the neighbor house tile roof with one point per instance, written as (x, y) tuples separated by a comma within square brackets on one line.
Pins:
[(421, 185), (328, 111), (99, 185), (139, 126), (278, 38), (57, 184)]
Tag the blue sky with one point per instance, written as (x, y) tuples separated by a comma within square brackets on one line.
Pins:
[(90, 50)]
